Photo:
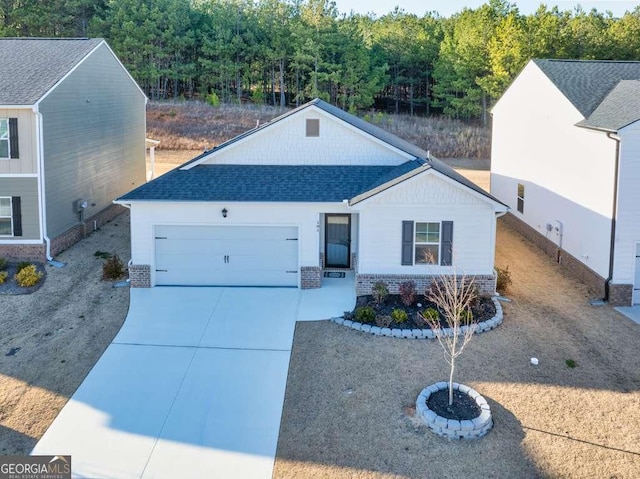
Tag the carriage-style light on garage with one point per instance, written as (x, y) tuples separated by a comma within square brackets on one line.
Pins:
[(224, 212)]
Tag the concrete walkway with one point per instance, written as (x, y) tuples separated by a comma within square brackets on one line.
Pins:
[(631, 312), (193, 384)]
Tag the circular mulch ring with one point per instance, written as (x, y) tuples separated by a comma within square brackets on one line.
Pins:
[(448, 422)]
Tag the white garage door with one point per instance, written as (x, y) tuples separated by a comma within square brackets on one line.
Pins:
[(227, 255)]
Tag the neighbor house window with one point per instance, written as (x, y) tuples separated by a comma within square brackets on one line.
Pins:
[(520, 197), (6, 221), (313, 127), (427, 243), (4, 138)]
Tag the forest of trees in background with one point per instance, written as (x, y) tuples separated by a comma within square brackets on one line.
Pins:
[(284, 52)]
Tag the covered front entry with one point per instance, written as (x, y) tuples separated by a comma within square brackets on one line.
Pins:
[(337, 240), (226, 255)]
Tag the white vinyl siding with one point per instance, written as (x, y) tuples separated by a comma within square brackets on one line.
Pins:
[(6, 220)]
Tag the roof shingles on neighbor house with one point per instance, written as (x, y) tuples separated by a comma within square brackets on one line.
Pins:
[(31, 67), (606, 93)]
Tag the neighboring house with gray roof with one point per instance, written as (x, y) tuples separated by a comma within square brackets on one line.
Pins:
[(315, 189), (72, 139), (566, 159)]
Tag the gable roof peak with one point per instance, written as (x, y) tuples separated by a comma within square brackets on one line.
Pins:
[(586, 83)]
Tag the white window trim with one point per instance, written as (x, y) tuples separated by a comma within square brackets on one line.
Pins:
[(8, 139), (10, 216), (416, 243)]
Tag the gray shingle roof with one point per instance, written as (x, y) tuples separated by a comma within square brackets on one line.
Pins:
[(268, 183), (375, 131), (586, 83), (620, 108), (30, 67)]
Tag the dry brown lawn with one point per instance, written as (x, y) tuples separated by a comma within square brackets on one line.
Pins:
[(349, 408)]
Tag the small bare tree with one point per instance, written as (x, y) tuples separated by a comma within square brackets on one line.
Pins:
[(454, 296)]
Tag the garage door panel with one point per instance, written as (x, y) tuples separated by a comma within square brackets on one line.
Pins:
[(226, 255)]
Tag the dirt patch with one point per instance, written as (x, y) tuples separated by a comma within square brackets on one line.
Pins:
[(348, 404), (51, 339)]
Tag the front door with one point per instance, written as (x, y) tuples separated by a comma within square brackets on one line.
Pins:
[(337, 241)]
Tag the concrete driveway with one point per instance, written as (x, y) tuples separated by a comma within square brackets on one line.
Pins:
[(193, 384)]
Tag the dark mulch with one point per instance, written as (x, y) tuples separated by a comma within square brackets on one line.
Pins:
[(10, 287), (484, 310), (463, 408)]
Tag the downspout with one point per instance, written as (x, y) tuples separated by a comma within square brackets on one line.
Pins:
[(127, 206), (43, 204), (614, 214)]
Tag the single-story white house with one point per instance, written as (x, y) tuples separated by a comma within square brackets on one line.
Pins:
[(314, 189), (566, 159)]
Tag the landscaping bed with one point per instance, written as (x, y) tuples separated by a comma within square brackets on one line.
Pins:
[(10, 284)]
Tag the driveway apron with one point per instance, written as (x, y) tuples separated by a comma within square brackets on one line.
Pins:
[(192, 386)]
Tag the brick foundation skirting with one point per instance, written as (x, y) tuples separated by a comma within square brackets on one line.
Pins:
[(310, 277), (364, 282), (140, 275), (579, 270), (620, 294), (81, 230), (23, 252)]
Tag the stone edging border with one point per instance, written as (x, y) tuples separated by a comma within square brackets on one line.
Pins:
[(425, 333), (451, 428)]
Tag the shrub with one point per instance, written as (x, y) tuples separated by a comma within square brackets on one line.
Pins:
[(3, 276), (380, 291), (3, 264), (571, 363), (466, 316), (504, 280), (399, 315), (430, 314), (28, 276), (383, 321), (113, 268), (365, 314), (22, 265), (213, 100), (407, 291)]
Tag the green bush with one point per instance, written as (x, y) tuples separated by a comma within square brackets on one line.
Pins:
[(380, 291), (22, 265), (113, 268), (365, 314), (3, 264), (504, 280), (28, 276), (430, 314), (399, 315), (213, 100), (3, 276), (466, 316)]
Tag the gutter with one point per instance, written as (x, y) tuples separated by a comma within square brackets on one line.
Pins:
[(614, 214)]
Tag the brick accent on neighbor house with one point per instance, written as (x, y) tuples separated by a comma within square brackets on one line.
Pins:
[(364, 282), (620, 294), (82, 230), (23, 252), (310, 277), (140, 275), (576, 268)]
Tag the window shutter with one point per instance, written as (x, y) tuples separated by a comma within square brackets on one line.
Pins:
[(17, 216), (13, 138), (446, 258), (407, 243)]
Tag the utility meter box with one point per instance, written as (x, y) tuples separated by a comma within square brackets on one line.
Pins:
[(80, 205)]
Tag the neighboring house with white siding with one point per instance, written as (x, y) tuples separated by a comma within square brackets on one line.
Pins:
[(566, 159), (314, 189), (72, 139)]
